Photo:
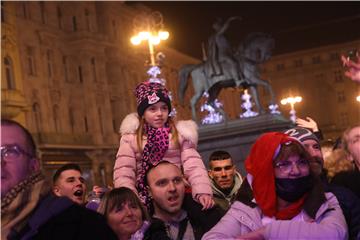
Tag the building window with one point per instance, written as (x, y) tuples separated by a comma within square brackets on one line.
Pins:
[(344, 119), (114, 109), (42, 12), (113, 23), (316, 60), (86, 124), (338, 76), (30, 52), (2, 12), (66, 75), (298, 63), (101, 121), (49, 59), (25, 10), (80, 74), (334, 56), (341, 97), (280, 67), (71, 119), (93, 67), (56, 116), (87, 17), (9, 73), (74, 23), (37, 116), (59, 15)]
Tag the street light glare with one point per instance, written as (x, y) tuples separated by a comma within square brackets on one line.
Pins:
[(144, 35), (358, 98), (152, 36), (291, 101), (136, 40), (164, 35), (154, 40)]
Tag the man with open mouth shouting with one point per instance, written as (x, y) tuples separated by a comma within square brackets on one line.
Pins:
[(68, 182), (170, 218)]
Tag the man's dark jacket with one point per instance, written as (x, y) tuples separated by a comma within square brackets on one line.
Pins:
[(201, 221), (58, 218)]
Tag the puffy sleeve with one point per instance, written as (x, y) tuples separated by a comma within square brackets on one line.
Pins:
[(234, 223), (125, 164), (330, 225), (194, 169)]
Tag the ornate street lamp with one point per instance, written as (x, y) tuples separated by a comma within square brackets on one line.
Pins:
[(291, 101), (149, 27)]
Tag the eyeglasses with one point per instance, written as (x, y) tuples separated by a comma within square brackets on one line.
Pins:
[(287, 166), (13, 152)]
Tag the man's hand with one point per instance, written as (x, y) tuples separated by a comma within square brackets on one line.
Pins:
[(353, 71), (310, 123), (206, 201)]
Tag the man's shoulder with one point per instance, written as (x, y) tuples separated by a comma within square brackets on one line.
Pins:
[(347, 179), (204, 219), (76, 222)]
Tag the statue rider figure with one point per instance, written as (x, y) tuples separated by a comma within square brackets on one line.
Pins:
[(220, 54)]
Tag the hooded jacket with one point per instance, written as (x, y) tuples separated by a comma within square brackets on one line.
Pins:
[(128, 157), (223, 200)]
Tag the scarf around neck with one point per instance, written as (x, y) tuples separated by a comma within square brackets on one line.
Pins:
[(20, 201), (156, 146)]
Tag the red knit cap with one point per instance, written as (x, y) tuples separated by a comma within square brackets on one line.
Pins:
[(259, 164)]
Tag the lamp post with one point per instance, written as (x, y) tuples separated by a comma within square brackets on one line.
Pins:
[(149, 27), (291, 101)]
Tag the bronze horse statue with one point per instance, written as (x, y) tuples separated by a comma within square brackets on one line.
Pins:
[(255, 49)]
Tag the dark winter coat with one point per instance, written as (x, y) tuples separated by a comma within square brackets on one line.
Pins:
[(59, 218)]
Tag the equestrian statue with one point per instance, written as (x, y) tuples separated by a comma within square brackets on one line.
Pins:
[(225, 67)]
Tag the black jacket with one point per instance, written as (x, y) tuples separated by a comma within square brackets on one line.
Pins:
[(201, 221), (59, 218), (350, 206)]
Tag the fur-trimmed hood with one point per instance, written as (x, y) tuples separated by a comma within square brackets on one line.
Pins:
[(187, 129)]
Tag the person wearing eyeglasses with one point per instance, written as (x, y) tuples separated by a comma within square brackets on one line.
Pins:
[(17, 157), (349, 201), (28, 208), (280, 197), (225, 180)]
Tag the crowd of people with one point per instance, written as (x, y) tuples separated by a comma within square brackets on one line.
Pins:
[(162, 189)]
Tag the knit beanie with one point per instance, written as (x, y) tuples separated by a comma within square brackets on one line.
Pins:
[(149, 93), (301, 134)]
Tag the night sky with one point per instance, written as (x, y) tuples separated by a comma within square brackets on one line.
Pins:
[(294, 25)]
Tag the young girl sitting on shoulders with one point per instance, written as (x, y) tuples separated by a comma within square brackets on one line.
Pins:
[(151, 136)]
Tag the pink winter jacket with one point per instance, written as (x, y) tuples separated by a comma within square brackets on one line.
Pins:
[(329, 224), (128, 157)]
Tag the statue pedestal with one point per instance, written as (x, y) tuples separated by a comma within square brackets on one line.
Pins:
[(237, 136)]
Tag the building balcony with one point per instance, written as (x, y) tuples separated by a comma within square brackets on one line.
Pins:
[(13, 102)]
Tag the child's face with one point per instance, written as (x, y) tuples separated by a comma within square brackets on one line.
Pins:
[(157, 114)]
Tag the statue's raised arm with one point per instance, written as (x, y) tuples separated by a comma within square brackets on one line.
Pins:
[(227, 24), (221, 59)]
